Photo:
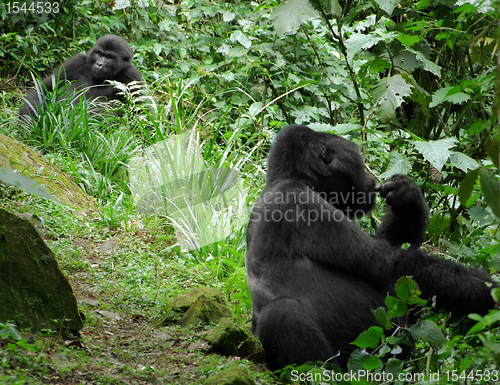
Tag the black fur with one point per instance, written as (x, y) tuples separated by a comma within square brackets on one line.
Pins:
[(314, 275), (109, 59)]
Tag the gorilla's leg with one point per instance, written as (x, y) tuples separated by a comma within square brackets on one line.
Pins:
[(290, 335)]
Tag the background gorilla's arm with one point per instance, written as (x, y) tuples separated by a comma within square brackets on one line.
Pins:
[(129, 74), (407, 214), (37, 95)]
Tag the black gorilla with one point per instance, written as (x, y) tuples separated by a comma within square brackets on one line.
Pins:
[(314, 275), (109, 59)]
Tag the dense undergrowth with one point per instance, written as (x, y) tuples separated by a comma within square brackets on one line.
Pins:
[(413, 83)]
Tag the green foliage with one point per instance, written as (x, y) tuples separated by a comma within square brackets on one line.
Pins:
[(9, 331), (435, 341)]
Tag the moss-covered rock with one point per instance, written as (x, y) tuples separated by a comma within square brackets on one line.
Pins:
[(34, 293), (237, 375), (32, 165), (230, 338), (205, 305)]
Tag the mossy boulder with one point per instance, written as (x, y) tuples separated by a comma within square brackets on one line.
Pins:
[(34, 293), (231, 338), (20, 157), (204, 305), (237, 375)]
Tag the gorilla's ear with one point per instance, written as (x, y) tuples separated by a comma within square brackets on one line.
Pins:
[(327, 154)]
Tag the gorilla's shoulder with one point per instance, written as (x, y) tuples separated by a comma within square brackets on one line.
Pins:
[(128, 74), (287, 191), (76, 65)]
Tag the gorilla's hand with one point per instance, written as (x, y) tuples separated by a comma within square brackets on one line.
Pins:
[(403, 195), (407, 216)]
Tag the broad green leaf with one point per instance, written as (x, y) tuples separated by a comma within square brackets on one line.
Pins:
[(121, 4), (495, 264), (490, 186), (495, 293), (338, 129), (370, 362), (428, 332), (466, 187), (427, 64), (398, 164), (288, 16), (477, 327), (448, 94), (406, 60), (408, 40), (382, 317), (360, 41), (157, 47), (436, 152), (389, 95), (344, 128), (492, 148), (228, 15), (463, 162), (255, 109), (23, 183), (444, 188), (370, 338), (481, 216), (241, 38), (394, 366), (361, 360), (330, 6), (9, 331), (396, 307), (407, 290), (422, 4), (321, 127), (387, 5), (480, 5)]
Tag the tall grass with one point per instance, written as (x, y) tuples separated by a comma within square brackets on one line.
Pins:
[(86, 137)]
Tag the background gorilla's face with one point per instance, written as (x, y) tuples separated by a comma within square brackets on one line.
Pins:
[(109, 56), (104, 64)]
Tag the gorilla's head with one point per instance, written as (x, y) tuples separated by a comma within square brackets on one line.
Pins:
[(110, 55), (327, 163)]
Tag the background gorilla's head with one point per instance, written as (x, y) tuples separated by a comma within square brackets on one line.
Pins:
[(110, 55), (327, 163)]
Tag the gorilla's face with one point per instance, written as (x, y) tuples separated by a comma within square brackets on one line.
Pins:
[(104, 64), (109, 56), (329, 164), (346, 183)]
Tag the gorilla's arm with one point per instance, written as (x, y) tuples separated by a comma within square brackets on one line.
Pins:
[(457, 288), (129, 74), (71, 70), (407, 215), (76, 69)]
